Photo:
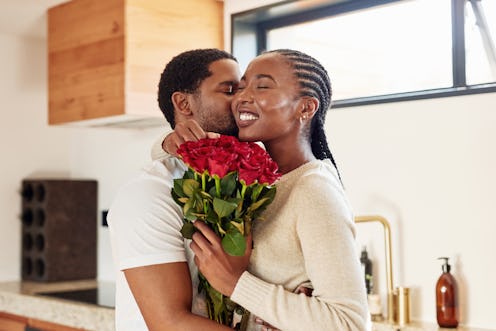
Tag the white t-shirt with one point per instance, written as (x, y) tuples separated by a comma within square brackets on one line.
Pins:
[(145, 223)]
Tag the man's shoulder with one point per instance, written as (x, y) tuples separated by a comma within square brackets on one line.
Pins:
[(158, 173), (151, 185)]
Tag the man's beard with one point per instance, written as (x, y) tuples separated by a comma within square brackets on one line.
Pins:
[(225, 125)]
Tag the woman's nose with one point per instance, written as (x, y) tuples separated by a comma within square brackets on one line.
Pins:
[(243, 95)]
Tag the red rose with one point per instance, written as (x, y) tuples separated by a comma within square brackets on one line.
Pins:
[(195, 155), (226, 154), (221, 162), (257, 166)]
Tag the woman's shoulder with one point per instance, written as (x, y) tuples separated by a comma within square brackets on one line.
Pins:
[(319, 183), (317, 174)]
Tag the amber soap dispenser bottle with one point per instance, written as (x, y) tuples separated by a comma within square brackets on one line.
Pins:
[(446, 298)]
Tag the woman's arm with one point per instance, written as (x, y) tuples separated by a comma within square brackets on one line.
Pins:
[(326, 237), (169, 142)]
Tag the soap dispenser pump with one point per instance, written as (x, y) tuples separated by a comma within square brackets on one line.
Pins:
[(446, 298)]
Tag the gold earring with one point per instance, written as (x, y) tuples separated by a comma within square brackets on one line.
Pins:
[(303, 117)]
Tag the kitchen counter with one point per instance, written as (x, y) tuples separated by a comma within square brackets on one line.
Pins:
[(419, 326), (19, 298)]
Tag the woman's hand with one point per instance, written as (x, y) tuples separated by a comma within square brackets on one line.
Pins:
[(221, 269), (188, 130), (266, 326)]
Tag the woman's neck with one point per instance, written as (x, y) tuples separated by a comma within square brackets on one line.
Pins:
[(289, 156)]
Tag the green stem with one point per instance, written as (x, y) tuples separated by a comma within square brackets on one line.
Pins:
[(243, 190), (217, 186), (204, 184)]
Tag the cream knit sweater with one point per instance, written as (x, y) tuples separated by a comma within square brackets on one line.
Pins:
[(307, 236)]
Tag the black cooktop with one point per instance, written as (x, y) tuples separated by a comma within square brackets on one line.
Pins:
[(102, 295)]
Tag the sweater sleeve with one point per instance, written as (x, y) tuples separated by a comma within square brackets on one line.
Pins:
[(326, 234), (157, 152)]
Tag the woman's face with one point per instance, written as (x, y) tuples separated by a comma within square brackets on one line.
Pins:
[(266, 104)]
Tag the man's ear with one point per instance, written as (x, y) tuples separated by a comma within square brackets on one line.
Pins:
[(181, 103), (309, 106)]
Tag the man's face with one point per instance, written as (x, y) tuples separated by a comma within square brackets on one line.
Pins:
[(211, 105)]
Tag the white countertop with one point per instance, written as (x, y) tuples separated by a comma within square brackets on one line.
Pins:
[(19, 298)]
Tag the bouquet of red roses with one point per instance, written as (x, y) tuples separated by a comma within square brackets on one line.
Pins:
[(227, 185)]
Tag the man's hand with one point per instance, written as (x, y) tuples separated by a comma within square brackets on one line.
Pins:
[(221, 269), (188, 130)]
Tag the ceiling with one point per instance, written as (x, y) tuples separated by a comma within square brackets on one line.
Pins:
[(25, 17)]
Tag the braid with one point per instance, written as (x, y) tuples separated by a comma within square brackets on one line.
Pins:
[(314, 82)]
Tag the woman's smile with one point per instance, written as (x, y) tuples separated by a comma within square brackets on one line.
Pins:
[(245, 118)]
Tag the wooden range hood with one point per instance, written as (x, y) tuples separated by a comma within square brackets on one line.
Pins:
[(106, 56)]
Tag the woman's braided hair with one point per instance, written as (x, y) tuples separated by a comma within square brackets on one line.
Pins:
[(314, 82)]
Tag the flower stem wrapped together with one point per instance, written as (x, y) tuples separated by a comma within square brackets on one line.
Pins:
[(227, 185)]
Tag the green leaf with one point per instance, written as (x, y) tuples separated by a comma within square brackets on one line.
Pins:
[(189, 211), (178, 199), (217, 300), (239, 225), (205, 195), (211, 216), (221, 231), (257, 189), (234, 243), (187, 230), (223, 208), (189, 174), (257, 204), (178, 187), (269, 192), (189, 187), (228, 184)]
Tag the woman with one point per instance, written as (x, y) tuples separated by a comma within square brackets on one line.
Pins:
[(308, 232)]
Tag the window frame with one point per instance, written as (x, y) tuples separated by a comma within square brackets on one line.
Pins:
[(262, 20)]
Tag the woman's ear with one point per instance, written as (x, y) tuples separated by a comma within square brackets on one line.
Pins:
[(309, 107), (181, 103)]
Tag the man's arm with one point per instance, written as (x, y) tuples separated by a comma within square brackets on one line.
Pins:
[(163, 293), (144, 226)]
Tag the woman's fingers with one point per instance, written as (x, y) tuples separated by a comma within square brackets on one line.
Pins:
[(208, 234), (213, 135), (265, 326), (190, 130)]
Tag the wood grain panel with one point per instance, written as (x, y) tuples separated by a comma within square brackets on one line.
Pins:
[(82, 22), (106, 57), (157, 32)]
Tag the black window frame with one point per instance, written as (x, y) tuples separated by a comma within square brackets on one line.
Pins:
[(266, 18)]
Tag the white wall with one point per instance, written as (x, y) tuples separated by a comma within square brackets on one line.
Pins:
[(427, 166), (28, 147), (31, 148)]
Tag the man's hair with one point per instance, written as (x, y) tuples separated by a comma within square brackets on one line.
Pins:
[(184, 73), (313, 81)]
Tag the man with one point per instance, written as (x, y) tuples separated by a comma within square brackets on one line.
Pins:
[(154, 289)]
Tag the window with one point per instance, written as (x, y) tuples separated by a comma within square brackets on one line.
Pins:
[(382, 51)]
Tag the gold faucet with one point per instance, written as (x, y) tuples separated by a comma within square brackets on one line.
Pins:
[(389, 263)]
